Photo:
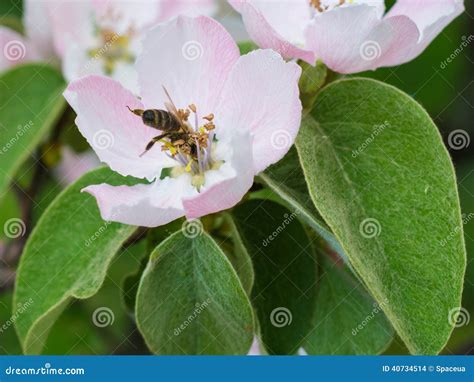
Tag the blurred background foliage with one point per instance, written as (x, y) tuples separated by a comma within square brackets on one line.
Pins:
[(445, 89)]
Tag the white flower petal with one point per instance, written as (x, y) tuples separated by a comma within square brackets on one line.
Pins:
[(117, 136)]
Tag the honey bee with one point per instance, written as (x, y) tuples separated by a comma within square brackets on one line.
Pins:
[(172, 125)]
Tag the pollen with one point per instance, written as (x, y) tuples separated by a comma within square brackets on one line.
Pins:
[(183, 114), (209, 126), (321, 7)]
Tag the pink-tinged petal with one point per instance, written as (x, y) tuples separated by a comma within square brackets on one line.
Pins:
[(255, 348), (225, 187), (430, 16), (73, 165), (14, 49), (146, 205), (191, 57), (261, 95), (72, 21), (138, 14), (394, 36), (336, 36), (277, 25), (173, 8), (76, 63), (38, 29), (352, 39), (117, 136)]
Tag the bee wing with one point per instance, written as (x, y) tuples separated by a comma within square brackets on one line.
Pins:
[(171, 109), (170, 104)]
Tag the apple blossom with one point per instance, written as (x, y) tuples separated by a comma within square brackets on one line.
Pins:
[(89, 36), (242, 114), (103, 36), (349, 36)]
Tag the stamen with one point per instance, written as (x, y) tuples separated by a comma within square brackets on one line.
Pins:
[(322, 8), (191, 145), (111, 49), (188, 166), (210, 126)]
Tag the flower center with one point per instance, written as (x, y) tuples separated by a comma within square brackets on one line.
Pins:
[(193, 145), (324, 5), (112, 49)]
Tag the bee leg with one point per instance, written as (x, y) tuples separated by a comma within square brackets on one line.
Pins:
[(138, 112), (152, 142)]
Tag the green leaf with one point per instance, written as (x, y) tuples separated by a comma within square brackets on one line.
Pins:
[(311, 80), (246, 47), (466, 192), (287, 180), (190, 300), (132, 280), (381, 178), (67, 255), (11, 22), (30, 103), (11, 8), (9, 209), (346, 319), (9, 344), (285, 266), (239, 257)]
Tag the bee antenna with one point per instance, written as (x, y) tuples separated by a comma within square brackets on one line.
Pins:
[(128, 107), (143, 153)]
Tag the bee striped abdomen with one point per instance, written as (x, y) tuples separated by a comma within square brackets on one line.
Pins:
[(161, 120)]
